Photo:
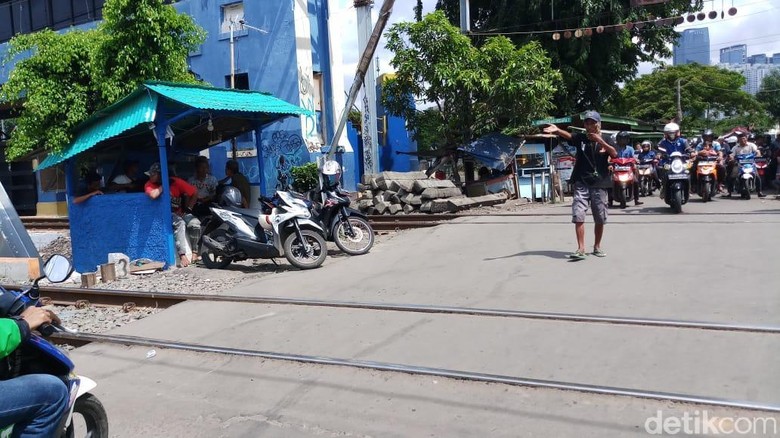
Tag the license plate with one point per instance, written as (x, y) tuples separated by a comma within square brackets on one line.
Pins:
[(622, 168), (677, 176), (644, 166)]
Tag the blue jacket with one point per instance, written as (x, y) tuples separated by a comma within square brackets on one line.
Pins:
[(677, 145)]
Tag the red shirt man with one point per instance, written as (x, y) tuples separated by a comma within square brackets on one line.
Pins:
[(179, 188)]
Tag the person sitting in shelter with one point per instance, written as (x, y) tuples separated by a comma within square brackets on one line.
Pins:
[(127, 181), (235, 178), (92, 180), (484, 173), (206, 184), (182, 193)]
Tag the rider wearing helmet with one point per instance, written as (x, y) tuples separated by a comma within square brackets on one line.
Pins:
[(707, 138), (742, 148), (625, 150), (672, 142), (649, 155)]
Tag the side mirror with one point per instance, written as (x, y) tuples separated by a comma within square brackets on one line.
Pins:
[(57, 269)]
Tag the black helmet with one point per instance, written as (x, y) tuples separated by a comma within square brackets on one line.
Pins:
[(231, 197), (708, 133), (751, 137), (623, 134)]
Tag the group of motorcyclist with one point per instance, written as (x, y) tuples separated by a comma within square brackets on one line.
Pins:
[(705, 148)]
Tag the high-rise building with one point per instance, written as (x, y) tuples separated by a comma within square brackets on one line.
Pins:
[(693, 46), (734, 54), (775, 59), (754, 74), (757, 59)]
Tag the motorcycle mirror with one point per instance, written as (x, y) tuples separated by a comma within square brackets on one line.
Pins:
[(57, 269)]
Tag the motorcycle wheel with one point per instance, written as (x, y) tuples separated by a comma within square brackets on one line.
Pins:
[(91, 416), (295, 254), (357, 244), (211, 260), (706, 191), (676, 203)]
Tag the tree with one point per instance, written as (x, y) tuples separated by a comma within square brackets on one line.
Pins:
[(418, 11), (769, 94), (497, 87), (55, 85), (63, 78), (592, 66), (144, 40), (707, 93)]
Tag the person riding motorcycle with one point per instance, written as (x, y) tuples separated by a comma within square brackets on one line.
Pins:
[(625, 150), (743, 147), (649, 155), (672, 142), (34, 403), (708, 137)]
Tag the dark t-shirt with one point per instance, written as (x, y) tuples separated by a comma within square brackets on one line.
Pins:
[(589, 160)]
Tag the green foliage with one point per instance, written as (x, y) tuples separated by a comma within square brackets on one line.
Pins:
[(144, 40), (62, 79), (56, 87), (769, 94), (305, 177), (592, 67), (429, 131), (497, 87), (706, 91)]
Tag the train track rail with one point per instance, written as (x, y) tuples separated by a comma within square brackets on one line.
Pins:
[(45, 223), (102, 297)]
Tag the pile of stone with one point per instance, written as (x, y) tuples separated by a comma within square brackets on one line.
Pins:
[(408, 192)]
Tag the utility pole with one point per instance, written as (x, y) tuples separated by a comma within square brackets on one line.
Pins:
[(465, 16), (363, 67), (370, 145), (233, 141), (679, 104)]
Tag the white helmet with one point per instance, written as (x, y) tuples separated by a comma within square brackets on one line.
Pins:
[(671, 128), (331, 167)]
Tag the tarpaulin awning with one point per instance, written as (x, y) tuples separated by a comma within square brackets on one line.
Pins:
[(496, 151), (140, 107)]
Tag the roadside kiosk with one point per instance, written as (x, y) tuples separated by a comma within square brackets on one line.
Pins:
[(156, 122)]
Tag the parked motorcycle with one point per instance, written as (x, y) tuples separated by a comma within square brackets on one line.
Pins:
[(623, 179), (38, 356), (707, 177), (677, 181), (746, 178), (282, 228), (762, 166), (645, 169)]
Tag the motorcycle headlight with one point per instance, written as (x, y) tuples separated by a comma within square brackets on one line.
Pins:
[(677, 166)]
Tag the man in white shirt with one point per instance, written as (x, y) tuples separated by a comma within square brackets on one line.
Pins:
[(744, 147), (127, 181), (206, 184)]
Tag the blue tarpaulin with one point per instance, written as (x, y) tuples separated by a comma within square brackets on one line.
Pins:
[(494, 150)]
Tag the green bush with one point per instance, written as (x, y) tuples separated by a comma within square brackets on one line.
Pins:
[(305, 177)]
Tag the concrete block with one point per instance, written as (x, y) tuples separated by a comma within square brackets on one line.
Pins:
[(405, 185), (412, 199), (432, 193), (378, 199), (362, 187), (394, 208), (408, 209), (367, 177), (373, 184), (441, 206), (402, 176), (425, 207), (420, 185), (383, 183), (20, 269), (381, 208), (388, 195), (365, 204), (366, 194), (478, 201)]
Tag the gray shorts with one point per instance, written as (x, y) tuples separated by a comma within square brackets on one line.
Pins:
[(585, 196)]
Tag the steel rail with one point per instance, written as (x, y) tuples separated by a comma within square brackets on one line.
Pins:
[(167, 299), (421, 370)]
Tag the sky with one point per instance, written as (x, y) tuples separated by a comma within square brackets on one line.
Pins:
[(755, 24)]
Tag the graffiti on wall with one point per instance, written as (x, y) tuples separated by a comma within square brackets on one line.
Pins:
[(368, 150), (283, 151), (309, 125)]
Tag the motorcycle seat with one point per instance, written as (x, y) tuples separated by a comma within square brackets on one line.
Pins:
[(251, 212)]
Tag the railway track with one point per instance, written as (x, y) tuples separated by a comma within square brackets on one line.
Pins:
[(69, 296), (45, 222)]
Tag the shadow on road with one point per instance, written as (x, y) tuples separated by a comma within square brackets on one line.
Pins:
[(550, 254)]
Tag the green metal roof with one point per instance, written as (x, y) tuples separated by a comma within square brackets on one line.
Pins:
[(141, 107), (208, 98), (132, 111)]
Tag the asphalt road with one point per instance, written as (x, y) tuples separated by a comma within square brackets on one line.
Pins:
[(712, 263)]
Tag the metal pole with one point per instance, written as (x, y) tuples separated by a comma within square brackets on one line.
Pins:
[(369, 125), (233, 145), (679, 104), (465, 16), (533, 186), (360, 73), (544, 191)]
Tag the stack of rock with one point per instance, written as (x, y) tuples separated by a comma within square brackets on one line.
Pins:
[(407, 192)]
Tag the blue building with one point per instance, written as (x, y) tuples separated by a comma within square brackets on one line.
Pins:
[(758, 59), (289, 48), (734, 54), (693, 46)]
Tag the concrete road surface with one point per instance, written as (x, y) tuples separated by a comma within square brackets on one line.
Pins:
[(715, 262)]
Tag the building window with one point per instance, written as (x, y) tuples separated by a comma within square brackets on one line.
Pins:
[(241, 80), (231, 13)]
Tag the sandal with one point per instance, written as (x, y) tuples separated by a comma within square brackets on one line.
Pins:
[(577, 255), (599, 253)]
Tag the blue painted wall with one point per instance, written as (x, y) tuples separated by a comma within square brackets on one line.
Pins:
[(123, 222), (396, 139)]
